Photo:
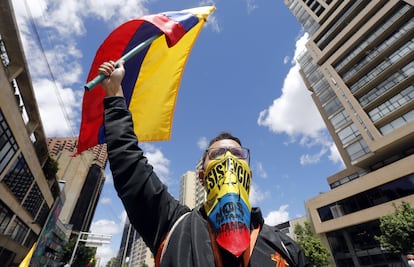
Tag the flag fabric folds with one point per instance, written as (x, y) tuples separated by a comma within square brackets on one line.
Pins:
[(152, 76)]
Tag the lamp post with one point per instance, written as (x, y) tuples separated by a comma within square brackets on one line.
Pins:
[(92, 240)]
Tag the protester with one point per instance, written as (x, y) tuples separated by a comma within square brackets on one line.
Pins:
[(225, 231), (410, 259)]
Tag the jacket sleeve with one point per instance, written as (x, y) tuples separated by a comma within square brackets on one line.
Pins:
[(150, 208)]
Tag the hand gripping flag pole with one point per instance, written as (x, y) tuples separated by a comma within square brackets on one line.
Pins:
[(155, 49), (100, 77)]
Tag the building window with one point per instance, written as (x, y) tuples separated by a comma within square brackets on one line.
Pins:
[(340, 119), (394, 103), (387, 192), (42, 216), (17, 230), (5, 217), (348, 134), (33, 201), (19, 178), (332, 106), (8, 145), (357, 149), (366, 43)]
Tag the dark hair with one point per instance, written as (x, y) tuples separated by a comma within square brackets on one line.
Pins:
[(224, 135), (220, 136)]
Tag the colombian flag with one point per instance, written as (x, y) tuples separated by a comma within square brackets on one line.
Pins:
[(152, 76)]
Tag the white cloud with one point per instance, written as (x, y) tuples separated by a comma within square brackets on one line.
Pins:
[(251, 5), (105, 200), (295, 114), (109, 227), (277, 216), (202, 143), (257, 195), (56, 114), (259, 170), (160, 163), (105, 253), (57, 25), (334, 155)]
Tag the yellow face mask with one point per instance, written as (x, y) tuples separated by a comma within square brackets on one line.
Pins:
[(227, 182)]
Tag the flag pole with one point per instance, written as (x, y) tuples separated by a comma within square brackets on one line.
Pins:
[(100, 77)]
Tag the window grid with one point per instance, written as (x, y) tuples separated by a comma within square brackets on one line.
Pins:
[(394, 57), (397, 123), (358, 149), (370, 38), (17, 230), (394, 103), (5, 217), (348, 134), (8, 145), (19, 178), (339, 22), (33, 200)]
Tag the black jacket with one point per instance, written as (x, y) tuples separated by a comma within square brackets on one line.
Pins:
[(153, 211)]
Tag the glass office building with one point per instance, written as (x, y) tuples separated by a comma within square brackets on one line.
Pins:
[(359, 65)]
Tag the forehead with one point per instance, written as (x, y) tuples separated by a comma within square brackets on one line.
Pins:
[(225, 143)]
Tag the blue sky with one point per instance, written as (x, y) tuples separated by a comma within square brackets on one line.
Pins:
[(241, 77)]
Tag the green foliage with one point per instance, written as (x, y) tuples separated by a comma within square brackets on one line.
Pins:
[(397, 230), (50, 168), (316, 252), (83, 254), (112, 262)]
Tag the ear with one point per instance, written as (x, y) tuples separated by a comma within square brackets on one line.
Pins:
[(200, 174)]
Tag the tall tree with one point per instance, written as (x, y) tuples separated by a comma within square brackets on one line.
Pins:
[(313, 247), (397, 230)]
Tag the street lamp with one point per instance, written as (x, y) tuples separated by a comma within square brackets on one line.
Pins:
[(92, 240)]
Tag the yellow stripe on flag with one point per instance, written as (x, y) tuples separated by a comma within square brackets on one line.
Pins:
[(26, 260), (155, 92)]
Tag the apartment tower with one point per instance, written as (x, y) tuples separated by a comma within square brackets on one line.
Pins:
[(358, 65), (191, 192), (84, 177)]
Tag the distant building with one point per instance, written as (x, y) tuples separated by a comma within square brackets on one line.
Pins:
[(289, 226), (84, 178), (125, 248), (27, 196), (191, 192), (141, 254), (359, 66)]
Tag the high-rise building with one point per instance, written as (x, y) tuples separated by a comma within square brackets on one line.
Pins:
[(28, 192), (191, 192), (127, 240), (141, 255), (84, 178), (359, 65)]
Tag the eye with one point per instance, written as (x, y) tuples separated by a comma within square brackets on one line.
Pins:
[(238, 152), (216, 152)]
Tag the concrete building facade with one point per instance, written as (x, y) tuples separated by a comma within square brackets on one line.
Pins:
[(191, 192), (84, 178), (27, 195), (359, 66)]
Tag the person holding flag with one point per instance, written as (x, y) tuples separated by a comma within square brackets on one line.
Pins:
[(225, 231)]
